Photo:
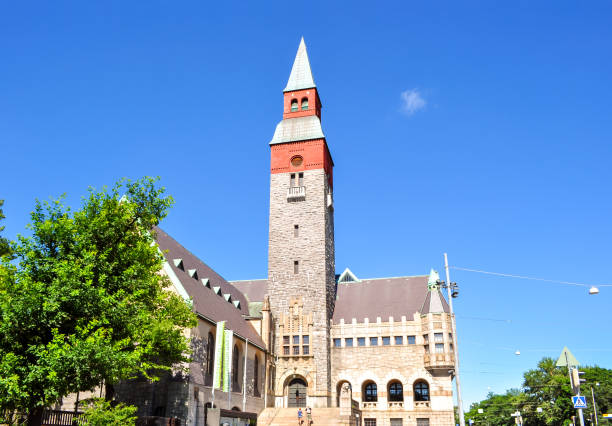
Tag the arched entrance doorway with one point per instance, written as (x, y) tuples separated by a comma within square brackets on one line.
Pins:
[(297, 393)]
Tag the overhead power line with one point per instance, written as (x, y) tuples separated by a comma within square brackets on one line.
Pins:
[(523, 277)]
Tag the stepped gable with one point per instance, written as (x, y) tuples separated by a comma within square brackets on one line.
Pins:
[(205, 301), (381, 297), (254, 290)]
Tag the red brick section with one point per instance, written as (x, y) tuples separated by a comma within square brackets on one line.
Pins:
[(315, 155), (314, 103)]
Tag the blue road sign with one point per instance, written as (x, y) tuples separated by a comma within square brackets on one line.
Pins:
[(579, 401)]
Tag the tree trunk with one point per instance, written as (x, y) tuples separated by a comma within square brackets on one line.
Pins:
[(109, 391), (35, 417)]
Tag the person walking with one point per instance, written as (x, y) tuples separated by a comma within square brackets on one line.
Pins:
[(299, 416), (309, 415)]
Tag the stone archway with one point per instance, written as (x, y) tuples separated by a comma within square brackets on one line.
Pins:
[(296, 392)]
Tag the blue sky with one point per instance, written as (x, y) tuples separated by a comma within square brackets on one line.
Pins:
[(479, 129)]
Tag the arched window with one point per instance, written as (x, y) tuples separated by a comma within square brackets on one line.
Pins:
[(395, 391), (235, 366), (370, 392), (256, 376), (294, 105), (304, 104), (210, 359), (421, 391)]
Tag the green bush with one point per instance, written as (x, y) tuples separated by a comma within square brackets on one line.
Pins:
[(99, 412)]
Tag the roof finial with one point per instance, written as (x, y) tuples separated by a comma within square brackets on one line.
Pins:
[(301, 74)]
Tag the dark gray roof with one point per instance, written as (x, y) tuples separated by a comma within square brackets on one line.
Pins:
[(254, 290), (381, 297), (434, 303), (205, 300), (369, 298)]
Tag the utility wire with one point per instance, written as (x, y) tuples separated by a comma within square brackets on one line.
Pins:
[(499, 274)]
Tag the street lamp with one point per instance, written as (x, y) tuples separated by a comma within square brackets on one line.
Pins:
[(594, 405), (593, 290), (453, 292)]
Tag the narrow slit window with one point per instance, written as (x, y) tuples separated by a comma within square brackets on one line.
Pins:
[(292, 180), (304, 104), (301, 179), (296, 267), (296, 230)]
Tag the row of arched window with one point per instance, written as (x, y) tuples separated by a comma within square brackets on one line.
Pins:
[(236, 376), (395, 391), (295, 106)]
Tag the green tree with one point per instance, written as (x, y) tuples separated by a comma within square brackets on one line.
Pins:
[(546, 387), (4, 243), (85, 303)]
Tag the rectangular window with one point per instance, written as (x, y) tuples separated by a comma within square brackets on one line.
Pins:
[(296, 230), (399, 340), (285, 350), (305, 350), (425, 338), (422, 422), (361, 341), (285, 340), (373, 341), (348, 342), (411, 340), (450, 336), (296, 266), (426, 349), (292, 180), (296, 340), (386, 340), (337, 343), (439, 348), (296, 350), (439, 337), (450, 347), (300, 179), (369, 422), (396, 422), (305, 340)]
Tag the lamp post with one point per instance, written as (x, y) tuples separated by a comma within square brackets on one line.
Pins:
[(453, 291), (594, 405)]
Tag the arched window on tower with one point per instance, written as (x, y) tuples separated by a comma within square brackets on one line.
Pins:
[(210, 359), (294, 105), (421, 391), (370, 392), (304, 104), (395, 391)]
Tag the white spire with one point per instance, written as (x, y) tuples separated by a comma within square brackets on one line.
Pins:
[(301, 75)]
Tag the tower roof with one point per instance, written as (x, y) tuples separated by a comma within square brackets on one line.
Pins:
[(301, 75)]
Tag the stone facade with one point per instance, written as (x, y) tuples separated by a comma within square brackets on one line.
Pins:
[(301, 294)]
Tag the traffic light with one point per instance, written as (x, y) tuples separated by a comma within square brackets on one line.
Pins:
[(577, 378)]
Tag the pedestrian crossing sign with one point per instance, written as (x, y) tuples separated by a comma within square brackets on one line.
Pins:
[(579, 401)]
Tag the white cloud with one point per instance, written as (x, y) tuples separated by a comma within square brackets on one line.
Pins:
[(412, 101)]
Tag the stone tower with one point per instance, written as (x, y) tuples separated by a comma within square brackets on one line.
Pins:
[(301, 259)]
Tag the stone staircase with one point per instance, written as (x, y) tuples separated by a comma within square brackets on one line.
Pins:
[(273, 416)]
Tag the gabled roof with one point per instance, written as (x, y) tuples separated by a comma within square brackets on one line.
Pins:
[(298, 129), (301, 74), (380, 297), (219, 305)]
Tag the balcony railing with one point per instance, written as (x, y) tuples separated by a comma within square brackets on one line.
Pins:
[(372, 404), (396, 404), (296, 193), (439, 360), (422, 404)]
